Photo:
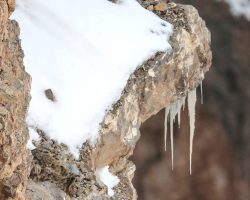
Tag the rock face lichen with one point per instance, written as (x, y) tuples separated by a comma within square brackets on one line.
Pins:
[(55, 173)]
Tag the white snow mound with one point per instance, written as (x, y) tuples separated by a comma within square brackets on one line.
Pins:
[(84, 51), (240, 7), (108, 179)]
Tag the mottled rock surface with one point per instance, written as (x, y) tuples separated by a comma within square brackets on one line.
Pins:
[(160, 81), (14, 99), (221, 159)]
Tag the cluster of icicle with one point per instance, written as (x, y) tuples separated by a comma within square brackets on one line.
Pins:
[(170, 115)]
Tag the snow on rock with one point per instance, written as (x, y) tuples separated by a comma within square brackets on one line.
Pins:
[(107, 178), (33, 136), (83, 52), (240, 7)]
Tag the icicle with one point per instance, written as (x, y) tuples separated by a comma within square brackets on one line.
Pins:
[(183, 102), (170, 114), (179, 118), (172, 134), (166, 127), (191, 111), (174, 110), (201, 93)]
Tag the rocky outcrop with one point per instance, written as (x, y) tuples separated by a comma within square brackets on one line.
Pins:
[(221, 163), (160, 81), (14, 99)]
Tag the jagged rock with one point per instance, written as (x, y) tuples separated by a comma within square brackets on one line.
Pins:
[(159, 82), (11, 6), (161, 7), (220, 169), (14, 99), (45, 190)]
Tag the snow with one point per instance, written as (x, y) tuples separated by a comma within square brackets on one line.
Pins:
[(191, 110), (107, 178), (83, 51), (33, 136), (240, 7)]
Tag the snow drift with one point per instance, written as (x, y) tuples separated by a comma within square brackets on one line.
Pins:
[(83, 53)]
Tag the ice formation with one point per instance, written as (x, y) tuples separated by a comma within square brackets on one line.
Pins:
[(191, 112), (170, 115), (166, 127), (83, 52), (107, 178), (201, 87)]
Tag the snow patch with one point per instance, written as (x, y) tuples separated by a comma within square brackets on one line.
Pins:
[(107, 178), (239, 7), (83, 53), (33, 136)]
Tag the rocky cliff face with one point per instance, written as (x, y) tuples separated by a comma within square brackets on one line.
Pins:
[(14, 99), (55, 173)]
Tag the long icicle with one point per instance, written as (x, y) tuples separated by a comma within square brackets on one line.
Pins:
[(191, 111), (170, 114), (179, 112), (174, 110), (166, 127), (172, 135), (181, 103), (201, 87)]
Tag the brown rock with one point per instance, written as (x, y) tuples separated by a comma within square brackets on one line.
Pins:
[(151, 7), (222, 142), (11, 6), (161, 6), (45, 190), (158, 82), (14, 99), (50, 95)]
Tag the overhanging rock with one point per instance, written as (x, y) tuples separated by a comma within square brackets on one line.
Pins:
[(159, 82), (156, 84)]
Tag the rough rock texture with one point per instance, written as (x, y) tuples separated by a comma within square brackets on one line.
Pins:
[(154, 85), (160, 81), (14, 99), (221, 159), (45, 190)]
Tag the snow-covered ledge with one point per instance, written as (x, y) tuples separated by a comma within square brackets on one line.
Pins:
[(156, 84), (103, 169)]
